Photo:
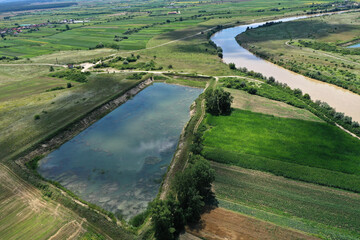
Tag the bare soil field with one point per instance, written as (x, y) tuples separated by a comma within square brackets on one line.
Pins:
[(220, 223)]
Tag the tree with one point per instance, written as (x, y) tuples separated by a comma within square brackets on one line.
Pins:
[(232, 66), (188, 196), (162, 220), (51, 69), (271, 80), (68, 85), (67, 27), (203, 175), (252, 91), (218, 102)]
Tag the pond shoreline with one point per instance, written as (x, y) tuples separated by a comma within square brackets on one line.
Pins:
[(79, 125)]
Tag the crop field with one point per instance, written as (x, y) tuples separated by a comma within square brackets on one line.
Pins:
[(245, 101), (318, 210), (25, 212), (303, 150), (18, 127), (313, 47), (219, 223)]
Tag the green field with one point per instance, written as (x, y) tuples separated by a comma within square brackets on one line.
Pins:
[(322, 211), (303, 150)]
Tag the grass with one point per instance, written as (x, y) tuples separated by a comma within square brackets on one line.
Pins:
[(56, 109), (322, 211), (279, 44), (303, 150), (245, 101)]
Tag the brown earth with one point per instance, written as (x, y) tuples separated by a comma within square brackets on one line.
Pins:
[(220, 223)]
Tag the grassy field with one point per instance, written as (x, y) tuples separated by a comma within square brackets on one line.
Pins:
[(245, 101), (321, 211), (280, 44), (303, 150), (18, 128)]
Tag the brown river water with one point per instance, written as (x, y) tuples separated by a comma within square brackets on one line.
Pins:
[(340, 99)]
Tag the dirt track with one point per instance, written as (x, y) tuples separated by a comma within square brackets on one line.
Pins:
[(220, 224)]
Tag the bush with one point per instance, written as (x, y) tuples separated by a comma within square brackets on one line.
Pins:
[(252, 90), (72, 74), (139, 219), (232, 66), (37, 117)]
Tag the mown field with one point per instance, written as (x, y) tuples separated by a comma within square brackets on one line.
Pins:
[(313, 47), (254, 103), (320, 211), (303, 150)]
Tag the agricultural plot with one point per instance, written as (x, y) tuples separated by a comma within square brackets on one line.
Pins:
[(310, 208), (26, 214), (303, 150), (219, 223)]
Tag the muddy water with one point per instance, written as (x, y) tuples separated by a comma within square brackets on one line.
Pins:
[(342, 100), (118, 162)]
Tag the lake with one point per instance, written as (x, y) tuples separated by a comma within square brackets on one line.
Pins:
[(119, 161)]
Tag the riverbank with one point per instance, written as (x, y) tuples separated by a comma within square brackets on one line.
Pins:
[(343, 100)]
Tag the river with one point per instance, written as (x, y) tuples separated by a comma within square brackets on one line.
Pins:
[(342, 100)]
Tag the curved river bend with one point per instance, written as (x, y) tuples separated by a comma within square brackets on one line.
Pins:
[(342, 100)]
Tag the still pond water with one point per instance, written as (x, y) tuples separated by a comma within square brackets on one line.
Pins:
[(118, 162)]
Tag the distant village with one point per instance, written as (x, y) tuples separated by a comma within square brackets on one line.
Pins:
[(21, 27)]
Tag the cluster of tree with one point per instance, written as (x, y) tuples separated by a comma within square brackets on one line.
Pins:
[(329, 47), (72, 74), (218, 101), (214, 30), (186, 201), (119, 38), (8, 58), (268, 24)]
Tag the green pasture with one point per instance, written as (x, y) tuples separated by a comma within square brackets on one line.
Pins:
[(304, 150)]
